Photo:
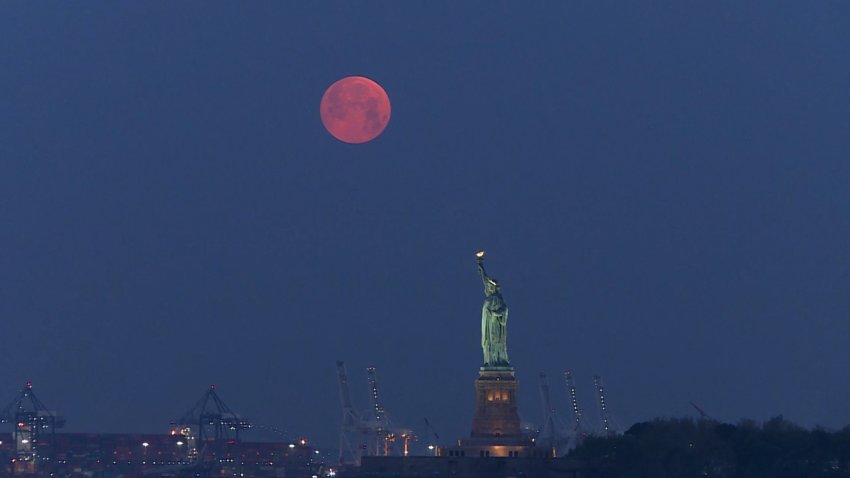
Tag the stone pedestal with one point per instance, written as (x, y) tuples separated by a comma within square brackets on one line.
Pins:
[(495, 404)]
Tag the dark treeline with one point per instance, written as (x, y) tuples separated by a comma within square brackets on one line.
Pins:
[(683, 448)]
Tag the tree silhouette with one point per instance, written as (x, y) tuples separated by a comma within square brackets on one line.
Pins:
[(681, 448)]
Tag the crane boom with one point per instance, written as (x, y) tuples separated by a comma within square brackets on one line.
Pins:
[(551, 432), (603, 408), (545, 400), (370, 433), (571, 388), (351, 426), (377, 406), (702, 414), (349, 414)]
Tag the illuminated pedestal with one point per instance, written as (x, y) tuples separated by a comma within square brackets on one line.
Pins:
[(495, 404), (496, 430)]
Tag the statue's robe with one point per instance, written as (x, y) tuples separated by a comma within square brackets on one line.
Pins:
[(494, 318)]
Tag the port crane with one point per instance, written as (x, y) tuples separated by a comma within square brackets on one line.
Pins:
[(552, 434), (210, 425), (378, 419), (383, 430), (34, 429), (608, 424), (580, 429), (371, 433), (352, 430), (429, 434)]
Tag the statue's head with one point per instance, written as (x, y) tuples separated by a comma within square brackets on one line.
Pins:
[(492, 286)]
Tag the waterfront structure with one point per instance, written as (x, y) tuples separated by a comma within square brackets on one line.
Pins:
[(209, 425), (206, 441), (163, 455), (369, 434), (34, 431)]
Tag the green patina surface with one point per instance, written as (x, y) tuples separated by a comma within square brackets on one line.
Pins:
[(494, 321)]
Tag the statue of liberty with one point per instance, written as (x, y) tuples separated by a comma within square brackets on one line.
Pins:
[(494, 320)]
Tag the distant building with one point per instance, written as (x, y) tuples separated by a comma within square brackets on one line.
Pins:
[(162, 455)]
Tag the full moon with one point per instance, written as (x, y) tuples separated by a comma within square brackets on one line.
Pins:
[(355, 109)]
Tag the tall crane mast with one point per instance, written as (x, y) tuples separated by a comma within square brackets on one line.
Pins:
[(350, 449), (607, 424), (550, 433), (349, 414), (577, 413), (381, 427), (546, 402), (379, 418), (370, 433), (379, 413)]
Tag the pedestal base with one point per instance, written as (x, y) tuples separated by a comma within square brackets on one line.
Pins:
[(495, 404)]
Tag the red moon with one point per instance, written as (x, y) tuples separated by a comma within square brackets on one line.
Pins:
[(355, 109)]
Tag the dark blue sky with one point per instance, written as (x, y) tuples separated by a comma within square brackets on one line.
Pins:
[(662, 188)]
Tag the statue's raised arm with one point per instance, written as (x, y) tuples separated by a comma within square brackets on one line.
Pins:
[(485, 279), (489, 283)]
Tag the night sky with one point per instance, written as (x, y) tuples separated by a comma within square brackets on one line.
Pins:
[(662, 188)]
